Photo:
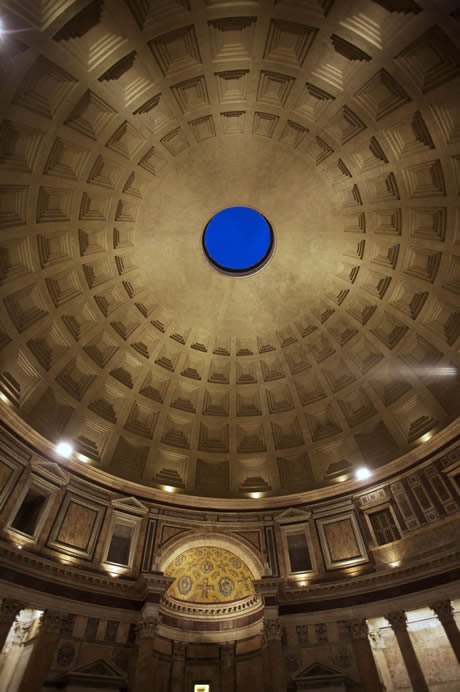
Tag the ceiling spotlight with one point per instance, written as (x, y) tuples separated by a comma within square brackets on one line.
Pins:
[(394, 564), (256, 495), (2, 28), (362, 473), (19, 547), (168, 488), (64, 449), (83, 458)]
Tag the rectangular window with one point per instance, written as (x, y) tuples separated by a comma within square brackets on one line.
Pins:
[(384, 525), (29, 512), (299, 555), (120, 545)]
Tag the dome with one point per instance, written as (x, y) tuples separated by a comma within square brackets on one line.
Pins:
[(124, 131)]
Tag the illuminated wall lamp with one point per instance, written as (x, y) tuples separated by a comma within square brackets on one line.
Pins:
[(362, 473), (64, 449), (427, 436), (114, 571)]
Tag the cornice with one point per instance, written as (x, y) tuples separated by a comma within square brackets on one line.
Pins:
[(286, 591)]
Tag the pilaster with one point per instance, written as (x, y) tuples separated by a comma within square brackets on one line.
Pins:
[(178, 667), (227, 652), (366, 662), (144, 671)]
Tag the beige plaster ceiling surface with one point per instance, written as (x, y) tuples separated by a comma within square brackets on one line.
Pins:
[(124, 127)]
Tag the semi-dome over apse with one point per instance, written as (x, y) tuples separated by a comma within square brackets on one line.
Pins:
[(208, 574)]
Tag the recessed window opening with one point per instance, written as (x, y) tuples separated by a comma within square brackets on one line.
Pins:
[(238, 241), (120, 545), (29, 512), (299, 556), (384, 525)]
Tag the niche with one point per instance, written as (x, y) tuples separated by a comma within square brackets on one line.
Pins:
[(122, 541), (299, 554), (29, 512), (120, 545), (31, 509)]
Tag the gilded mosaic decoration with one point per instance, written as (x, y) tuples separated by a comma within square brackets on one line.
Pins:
[(209, 575)]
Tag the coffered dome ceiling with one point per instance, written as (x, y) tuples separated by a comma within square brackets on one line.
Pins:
[(124, 127)]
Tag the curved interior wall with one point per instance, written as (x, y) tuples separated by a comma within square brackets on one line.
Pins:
[(365, 575)]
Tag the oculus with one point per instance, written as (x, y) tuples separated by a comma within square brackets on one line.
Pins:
[(238, 241)]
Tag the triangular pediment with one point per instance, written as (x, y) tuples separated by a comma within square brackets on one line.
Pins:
[(100, 669), (291, 515), (49, 470), (318, 670), (130, 504)]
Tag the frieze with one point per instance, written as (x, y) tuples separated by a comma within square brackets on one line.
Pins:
[(439, 562), (452, 457)]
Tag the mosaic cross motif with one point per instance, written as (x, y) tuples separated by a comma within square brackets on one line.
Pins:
[(205, 588)]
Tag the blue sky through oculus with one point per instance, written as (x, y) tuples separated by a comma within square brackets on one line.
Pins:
[(237, 238)]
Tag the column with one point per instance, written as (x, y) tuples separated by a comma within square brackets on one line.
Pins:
[(366, 662), (8, 611), (43, 651), (178, 667), (227, 652), (398, 622), (272, 633), (445, 613)]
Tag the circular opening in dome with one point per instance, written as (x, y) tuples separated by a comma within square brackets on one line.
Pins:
[(238, 241)]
